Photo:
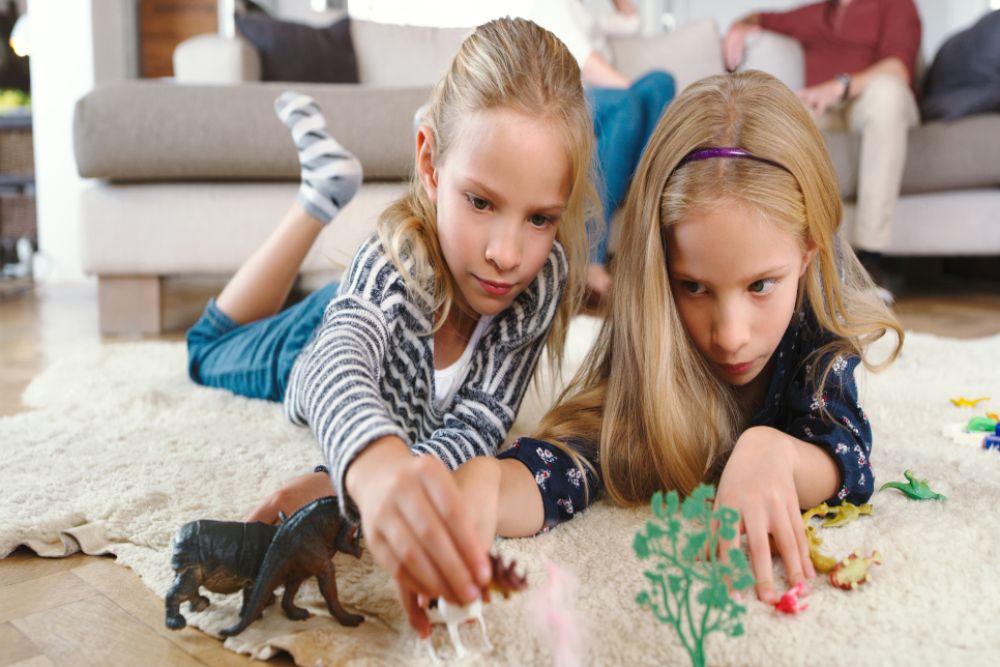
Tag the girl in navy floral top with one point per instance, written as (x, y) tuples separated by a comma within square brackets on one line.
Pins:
[(736, 324)]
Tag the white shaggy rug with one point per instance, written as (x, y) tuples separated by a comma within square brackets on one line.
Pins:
[(120, 449)]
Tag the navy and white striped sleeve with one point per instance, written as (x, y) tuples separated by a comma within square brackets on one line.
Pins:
[(488, 400), (565, 489), (333, 387), (832, 418)]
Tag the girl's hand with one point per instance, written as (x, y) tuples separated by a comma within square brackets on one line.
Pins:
[(758, 481), (416, 523), (296, 493)]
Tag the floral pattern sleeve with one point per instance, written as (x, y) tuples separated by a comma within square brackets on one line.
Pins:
[(832, 418), (565, 488)]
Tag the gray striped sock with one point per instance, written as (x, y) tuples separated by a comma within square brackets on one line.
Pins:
[(330, 173)]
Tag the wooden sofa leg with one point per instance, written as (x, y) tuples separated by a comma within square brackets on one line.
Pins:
[(130, 304)]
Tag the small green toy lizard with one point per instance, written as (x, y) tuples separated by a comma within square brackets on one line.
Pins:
[(916, 489)]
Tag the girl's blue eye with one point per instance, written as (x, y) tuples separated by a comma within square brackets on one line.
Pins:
[(692, 287), (478, 203), (539, 220), (763, 286)]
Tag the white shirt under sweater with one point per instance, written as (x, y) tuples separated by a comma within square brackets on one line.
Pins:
[(368, 371)]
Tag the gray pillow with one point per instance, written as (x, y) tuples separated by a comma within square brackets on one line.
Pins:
[(965, 76), (298, 52)]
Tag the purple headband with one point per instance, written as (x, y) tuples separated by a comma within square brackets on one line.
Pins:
[(725, 151)]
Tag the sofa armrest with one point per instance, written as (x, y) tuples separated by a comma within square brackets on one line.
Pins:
[(212, 58), (780, 56)]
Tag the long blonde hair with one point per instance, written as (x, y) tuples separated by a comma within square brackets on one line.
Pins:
[(673, 428), (505, 64)]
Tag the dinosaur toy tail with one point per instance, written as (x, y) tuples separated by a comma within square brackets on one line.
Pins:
[(268, 578)]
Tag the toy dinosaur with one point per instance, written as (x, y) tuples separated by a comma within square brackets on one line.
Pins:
[(222, 556), (304, 547), (962, 402), (917, 489), (820, 561), (853, 570), (505, 580), (790, 602), (845, 513)]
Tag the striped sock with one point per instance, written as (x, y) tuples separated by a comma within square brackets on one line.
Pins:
[(330, 173)]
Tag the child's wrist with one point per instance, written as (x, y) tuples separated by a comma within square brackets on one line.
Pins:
[(379, 455)]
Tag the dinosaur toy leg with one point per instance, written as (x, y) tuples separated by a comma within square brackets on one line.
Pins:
[(185, 589), (328, 587), (288, 601)]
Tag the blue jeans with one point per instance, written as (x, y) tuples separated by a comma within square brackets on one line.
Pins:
[(624, 118), (253, 359)]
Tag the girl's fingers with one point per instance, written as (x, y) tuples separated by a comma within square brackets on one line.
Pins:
[(436, 547), (444, 495), (798, 529), (760, 560), (788, 548), (415, 612), (396, 548)]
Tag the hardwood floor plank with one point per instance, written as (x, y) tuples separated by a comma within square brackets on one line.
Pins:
[(15, 647), (36, 595), (24, 565), (96, 631), (124, 587)]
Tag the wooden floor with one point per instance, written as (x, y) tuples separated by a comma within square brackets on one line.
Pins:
[(86, 610)]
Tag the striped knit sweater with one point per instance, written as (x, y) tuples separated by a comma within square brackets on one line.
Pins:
[(369, 370)]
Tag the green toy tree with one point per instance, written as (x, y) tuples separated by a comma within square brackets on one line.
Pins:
[(689, 584)]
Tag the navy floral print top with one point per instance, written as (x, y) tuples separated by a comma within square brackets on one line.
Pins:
[(791, 405)]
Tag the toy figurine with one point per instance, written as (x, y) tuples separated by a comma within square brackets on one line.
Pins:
[(505, 580), (688, 585), (916, 489), (981, 425), (846, 512), (222, 556), (853, 570), (790, 602), (820, 561), (304, 547), (962, 402), (993, 441)]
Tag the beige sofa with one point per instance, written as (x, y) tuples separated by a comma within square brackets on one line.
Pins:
[(188, 178)]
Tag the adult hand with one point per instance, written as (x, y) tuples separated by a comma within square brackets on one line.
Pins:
[(821, 97), (734, 43), (415, 523), (758, 481), (296, 493)]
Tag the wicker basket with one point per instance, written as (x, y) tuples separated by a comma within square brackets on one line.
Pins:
[(16, 152), (17, 217)]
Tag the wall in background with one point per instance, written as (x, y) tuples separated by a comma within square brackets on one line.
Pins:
[(74, 45)]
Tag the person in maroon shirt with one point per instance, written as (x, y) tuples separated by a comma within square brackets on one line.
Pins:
[(859, 61)]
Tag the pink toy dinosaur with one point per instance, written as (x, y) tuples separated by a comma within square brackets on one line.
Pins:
[(790, 602)]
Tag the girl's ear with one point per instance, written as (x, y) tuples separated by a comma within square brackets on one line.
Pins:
[(808, 255), (425, 162)]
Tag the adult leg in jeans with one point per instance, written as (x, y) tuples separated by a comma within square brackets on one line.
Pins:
[(241, 342)]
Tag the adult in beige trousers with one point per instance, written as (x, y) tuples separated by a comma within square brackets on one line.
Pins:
[(859, 61)]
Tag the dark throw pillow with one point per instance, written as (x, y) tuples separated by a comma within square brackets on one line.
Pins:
[(965, 76), (298, 52)]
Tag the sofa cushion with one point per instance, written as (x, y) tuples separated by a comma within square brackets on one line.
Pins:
[(404, 55), (297, 52), (688, 53), (150, 130), (940, 156), (965, 76)]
